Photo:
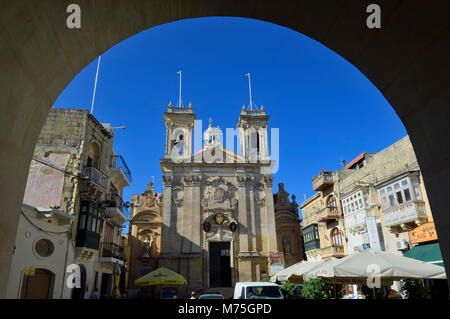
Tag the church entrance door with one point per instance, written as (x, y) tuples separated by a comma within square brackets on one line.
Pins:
[(219, 264)]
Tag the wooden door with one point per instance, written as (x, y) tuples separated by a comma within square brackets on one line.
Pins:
[(37, 286)]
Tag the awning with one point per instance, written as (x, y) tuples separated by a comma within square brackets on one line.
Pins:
[(430, 253)]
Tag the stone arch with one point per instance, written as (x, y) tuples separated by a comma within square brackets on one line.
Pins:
[(406, 59), (94, 154)]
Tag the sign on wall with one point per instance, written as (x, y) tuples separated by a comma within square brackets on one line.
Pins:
[(276, 263), (425, 232), (372, 233)]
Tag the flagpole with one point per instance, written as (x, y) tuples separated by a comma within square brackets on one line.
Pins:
[(250, 91), (95, 85), (179, 100)]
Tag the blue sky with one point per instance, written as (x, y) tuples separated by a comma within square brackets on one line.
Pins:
[(323, 106)]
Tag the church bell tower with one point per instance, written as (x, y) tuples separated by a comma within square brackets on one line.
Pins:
[(252, 127), (179, 122)]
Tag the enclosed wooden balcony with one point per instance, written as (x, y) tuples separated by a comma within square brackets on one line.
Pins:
[(322, 181), (405, 216)]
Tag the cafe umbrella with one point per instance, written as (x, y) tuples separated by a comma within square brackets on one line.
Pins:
[(160, 277), (294, 273), (386, 267)]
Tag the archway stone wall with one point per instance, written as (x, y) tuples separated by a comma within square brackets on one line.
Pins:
[(407, 60)]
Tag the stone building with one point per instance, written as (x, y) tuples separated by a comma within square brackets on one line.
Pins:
[(379, 199), (388, 187), (144, 237), (288, 227), (323, 223), (218, 222), (75, 171)]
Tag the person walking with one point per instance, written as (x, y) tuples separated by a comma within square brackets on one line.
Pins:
[(193, 295), (95, 294)]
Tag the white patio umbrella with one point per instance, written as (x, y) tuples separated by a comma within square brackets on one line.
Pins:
[(356, 268), (294, 273)]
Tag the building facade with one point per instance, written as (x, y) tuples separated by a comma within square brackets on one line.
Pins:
[(288, 227), (218, 221), (323, 223), (75, 171), (380, 199), (144, 237)]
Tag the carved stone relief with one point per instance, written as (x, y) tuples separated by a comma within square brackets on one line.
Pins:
[(218, 194), (219, 227), (259, 194), (177, 194)]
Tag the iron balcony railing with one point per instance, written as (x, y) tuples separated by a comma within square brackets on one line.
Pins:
[(112, 250), (96, 177), (114, 200), (117, 161)]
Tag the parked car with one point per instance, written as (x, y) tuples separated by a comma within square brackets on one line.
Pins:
[(257, 290), (211, 296)]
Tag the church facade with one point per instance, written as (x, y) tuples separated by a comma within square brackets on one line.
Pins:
[(218, 220)]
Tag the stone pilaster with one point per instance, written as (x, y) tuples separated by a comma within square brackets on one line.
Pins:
[(242, 214), (272, 238)]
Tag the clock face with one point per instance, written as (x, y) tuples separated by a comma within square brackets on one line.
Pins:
[(219, 218)]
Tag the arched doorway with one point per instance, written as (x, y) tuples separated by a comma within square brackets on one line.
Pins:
[(37, 286), (406, 59)]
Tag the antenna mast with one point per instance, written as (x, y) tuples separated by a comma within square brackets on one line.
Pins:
[(179, 100), (95, 85)]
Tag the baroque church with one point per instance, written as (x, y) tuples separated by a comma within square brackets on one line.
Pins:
[(216, 215)]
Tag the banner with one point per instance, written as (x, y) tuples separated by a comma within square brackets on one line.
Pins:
[(276, 263), (372, 233)]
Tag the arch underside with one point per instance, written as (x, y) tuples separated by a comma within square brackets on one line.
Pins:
[(407, 60)]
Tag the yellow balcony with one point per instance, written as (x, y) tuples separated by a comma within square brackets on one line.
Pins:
[(322, 181), (332, 251), (327, 213)]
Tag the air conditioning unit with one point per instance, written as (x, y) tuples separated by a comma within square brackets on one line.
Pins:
[(401, 244)]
